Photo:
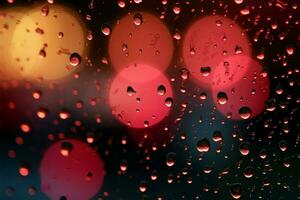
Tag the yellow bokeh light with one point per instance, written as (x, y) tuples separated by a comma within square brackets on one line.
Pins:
[(40, 46)]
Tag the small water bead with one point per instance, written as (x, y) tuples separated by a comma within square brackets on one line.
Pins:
[(42, 113), (245, 11), (122, 3), (248, 172), (238, 50), (283, 145), (205, 71), (143, 186), (106, 30), (184, 73), (130, 91), (203, 145), (290, 50), (171, 159), (245, 112), (37, 95), (66, 148), (245, 148), (154, 175), (222, 98), (124, 165), (45, 10), (236, 190), (75, 59), (219, 23), (217, 136), (60, 35), (238, 1), (161, 90), (25, 128), (287, 162), (64, 114), (24, 170), (169, 102), (138, 19), (42, 53), (263, 154)]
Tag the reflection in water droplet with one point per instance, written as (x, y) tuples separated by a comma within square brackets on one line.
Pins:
[(203, 145), (205, 71), (161, 90), (130, 91), (222, 98), (169, 102), (245, 112), (171, 159), (75, 59), (236, 190), (138, 19)]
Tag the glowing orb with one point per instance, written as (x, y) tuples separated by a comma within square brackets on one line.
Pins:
[(208, 42), (71, 169), (9, 19), (140, 38), (42, 42), (140, 96), (243, 89)]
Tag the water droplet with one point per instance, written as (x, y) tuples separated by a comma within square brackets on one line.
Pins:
[(169, 102), (203, 145), (217, 136), (66, 148), (75, 59), (171, 159), (124, 165), (106, 30), (248, 172), (236, 190), (24, 170), (222, 98), (205, 71), (245, 148), (238, 1), (130, 91), (161, 90), (143, 186), (45, 10), (138, 19), (245, 112)]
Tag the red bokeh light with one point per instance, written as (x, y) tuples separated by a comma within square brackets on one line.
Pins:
[(240, 78), (138, 96), (208, 42), (140, 38), (77, 176)]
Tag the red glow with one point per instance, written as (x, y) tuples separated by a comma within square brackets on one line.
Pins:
[(208, 42), (76, 176), (146, 104), (140, 38), (240, 78)]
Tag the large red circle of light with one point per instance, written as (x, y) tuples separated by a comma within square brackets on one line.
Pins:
[(207, 42), (240, 78), (76, 176), (148, 42), (145, 104)]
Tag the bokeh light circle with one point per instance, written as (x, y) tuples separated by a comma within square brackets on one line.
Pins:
[(207, 42), (142, 38), (72, 169), (139, 96), (41, 44), (246, 89)]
